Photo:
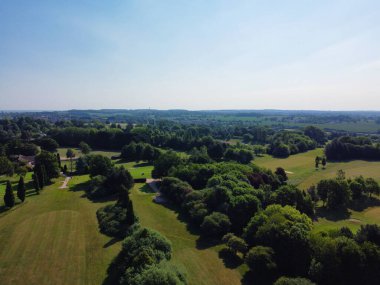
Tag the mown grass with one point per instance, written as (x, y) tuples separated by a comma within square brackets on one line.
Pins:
[(53, 238), (302, 172), (200, 260), (139, 169)]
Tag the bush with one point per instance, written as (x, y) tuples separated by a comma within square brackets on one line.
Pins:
[(293, 281), (260, 260), (216, 225)]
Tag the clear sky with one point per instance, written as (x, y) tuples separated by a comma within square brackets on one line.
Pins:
[(190, 54)]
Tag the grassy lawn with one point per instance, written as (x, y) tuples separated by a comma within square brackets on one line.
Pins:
[(139, 169), (14, 181), (53, 238), (201, 262), (303, 173)]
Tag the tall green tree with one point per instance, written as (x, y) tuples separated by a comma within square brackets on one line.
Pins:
[(70, 154), (36, 184), (9, 197), (21, 189)]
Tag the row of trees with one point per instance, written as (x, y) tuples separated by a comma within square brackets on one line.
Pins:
[(347, 148), (285, 143), (337, 193)]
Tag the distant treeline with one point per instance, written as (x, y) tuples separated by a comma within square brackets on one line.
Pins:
[(346, 148)]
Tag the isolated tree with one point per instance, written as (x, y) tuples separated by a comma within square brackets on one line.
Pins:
[(59, 160), (21, 189), (70, 154), (324, 162), (36, 184), (322, 190), (9, 197), (39, 176), (317, 161), (84, 148), (65, 169), (281, 173)]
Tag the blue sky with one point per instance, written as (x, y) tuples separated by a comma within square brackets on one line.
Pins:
[(208, 54)]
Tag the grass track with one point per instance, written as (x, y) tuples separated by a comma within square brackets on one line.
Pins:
[(54, 239), (202, 264)]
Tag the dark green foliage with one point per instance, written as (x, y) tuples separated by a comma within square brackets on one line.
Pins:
[(261, 262), (216, 225), (235, 244), (164, 163), (59, 160), (244, 156), (293, 281), (162, 274), (48, 144), (117, 179), (21, 189), (291, 195), (114, 220), (285, 230), (281, 174), (9, 197), (335, 192), (286, 143), (370, 233), (346, 148), (99, 165), (48, 161), (84, 148), (199, 155), (36, 184), (316, 134), (139, 151), (6, 166), (143, 259), (175, 189), (338, 261)]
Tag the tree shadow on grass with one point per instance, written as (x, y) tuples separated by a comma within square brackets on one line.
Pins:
[(250, 279), (80, 186), (364, 203), (147, 189), (230, 259), (332, 215), (206, 242), (112, 242), (183, 217)]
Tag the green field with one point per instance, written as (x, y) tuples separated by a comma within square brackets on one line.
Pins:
[(139, 169), (302, 172), (202, 263), (62, 152), (14, 181), (53, 238)]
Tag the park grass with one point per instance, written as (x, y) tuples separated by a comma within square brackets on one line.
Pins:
[(301, 168), (140, 169), (301, 172), (14, 181), (201, 261), (53, 238)]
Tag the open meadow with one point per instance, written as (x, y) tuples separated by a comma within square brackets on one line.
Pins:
[(201, 261), (53, 238), (301, 168), (301, 171)]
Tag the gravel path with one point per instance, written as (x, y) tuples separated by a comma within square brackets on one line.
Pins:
[(64, 185)]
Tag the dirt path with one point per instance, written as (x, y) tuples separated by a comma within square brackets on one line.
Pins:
[(64, 184)]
